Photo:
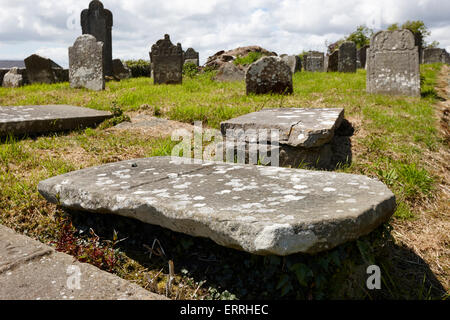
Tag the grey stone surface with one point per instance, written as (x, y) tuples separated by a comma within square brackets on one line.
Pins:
[(40, 119), (333, 62), (347, 57), (167, 62), (435, 55), (30, 270), (314, 61), (98, 21), (13, 79), (393, 64), (120, 70), (39, 69), (229, 72), (307, 128), (262, 210), (192, 56), (294, 62), (86, 64), (269, 75), (362, 57)]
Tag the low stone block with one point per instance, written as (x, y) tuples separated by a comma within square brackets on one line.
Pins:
[(261, 210)]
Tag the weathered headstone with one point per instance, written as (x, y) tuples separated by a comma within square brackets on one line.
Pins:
[(269, 75), (258, 209), (229, 72), (294, 62), (86, 63), (317, 138), (121, 71), (51, 118), (347, 57), (362, 57), (39, 69), (333, 61), (167, 62), (192, 56), (13, 79), (435, 55), (314, 61), (98, 22), (393, 64)]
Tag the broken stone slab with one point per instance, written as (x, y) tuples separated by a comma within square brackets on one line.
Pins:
[(30, 270), (261, 210), (50, 118), (297, 127), (13, 79)]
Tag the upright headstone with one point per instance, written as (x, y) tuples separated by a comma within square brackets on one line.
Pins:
[(98, 22), (347, 57), (435, 55), (120, 70), (362, 56), (333, 61), (393, 64), (192, 56), (39, 69), (13, 79), (269, 75), (314, 61), (294, 62), (86, 63), (167, 61)]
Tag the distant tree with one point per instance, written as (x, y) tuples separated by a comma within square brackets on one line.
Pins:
[(361, 37), (417, 27), (434, 44)]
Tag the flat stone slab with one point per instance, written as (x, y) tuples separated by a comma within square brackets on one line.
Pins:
[(50, 118), (30, 270), (307, 128), (261, 210)]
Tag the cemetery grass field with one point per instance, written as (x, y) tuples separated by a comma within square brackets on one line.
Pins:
[(398, 140)]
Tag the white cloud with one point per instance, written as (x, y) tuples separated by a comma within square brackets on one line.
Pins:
[(286, 26)]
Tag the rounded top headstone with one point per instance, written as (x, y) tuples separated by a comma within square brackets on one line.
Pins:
[(393, 40), (96, 5)]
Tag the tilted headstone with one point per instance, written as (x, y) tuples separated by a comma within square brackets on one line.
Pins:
[(39, 69), (192, 56), (121, 71), (314, 61), (435, 55), (393, 64), (86, 63), (167, 61), (294, 62), (347, 57), (98, 22), (333, 61), (13, 79), (269, 75)]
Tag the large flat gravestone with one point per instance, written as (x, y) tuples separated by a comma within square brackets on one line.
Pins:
[(192, 56), (39, 69), (261, 210), (86, 64), (314, 61), (167, 61), (393, 64), (347, 57), (269, 75), (41, 119), (98, 22)]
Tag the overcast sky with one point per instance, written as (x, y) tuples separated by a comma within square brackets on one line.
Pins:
[(49, 27)]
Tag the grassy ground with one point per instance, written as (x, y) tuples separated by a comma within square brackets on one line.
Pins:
[(397, 139)]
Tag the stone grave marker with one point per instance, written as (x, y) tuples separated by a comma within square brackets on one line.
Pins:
[(13, 79), (314, 61), (120, 70), (294, 62), (86, 63), (333, 61), (257, 209), (269, 75), (393, 64), (435, 55), (167, 62), (192, 56), (347, 57), (229, 72), (39, 69), (98, 21), (28, 120), (362, 57)]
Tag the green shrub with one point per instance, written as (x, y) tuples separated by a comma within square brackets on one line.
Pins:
[(190, 69), (139, 68), (248, 59)]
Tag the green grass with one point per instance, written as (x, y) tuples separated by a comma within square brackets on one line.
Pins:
[(392, 136)]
